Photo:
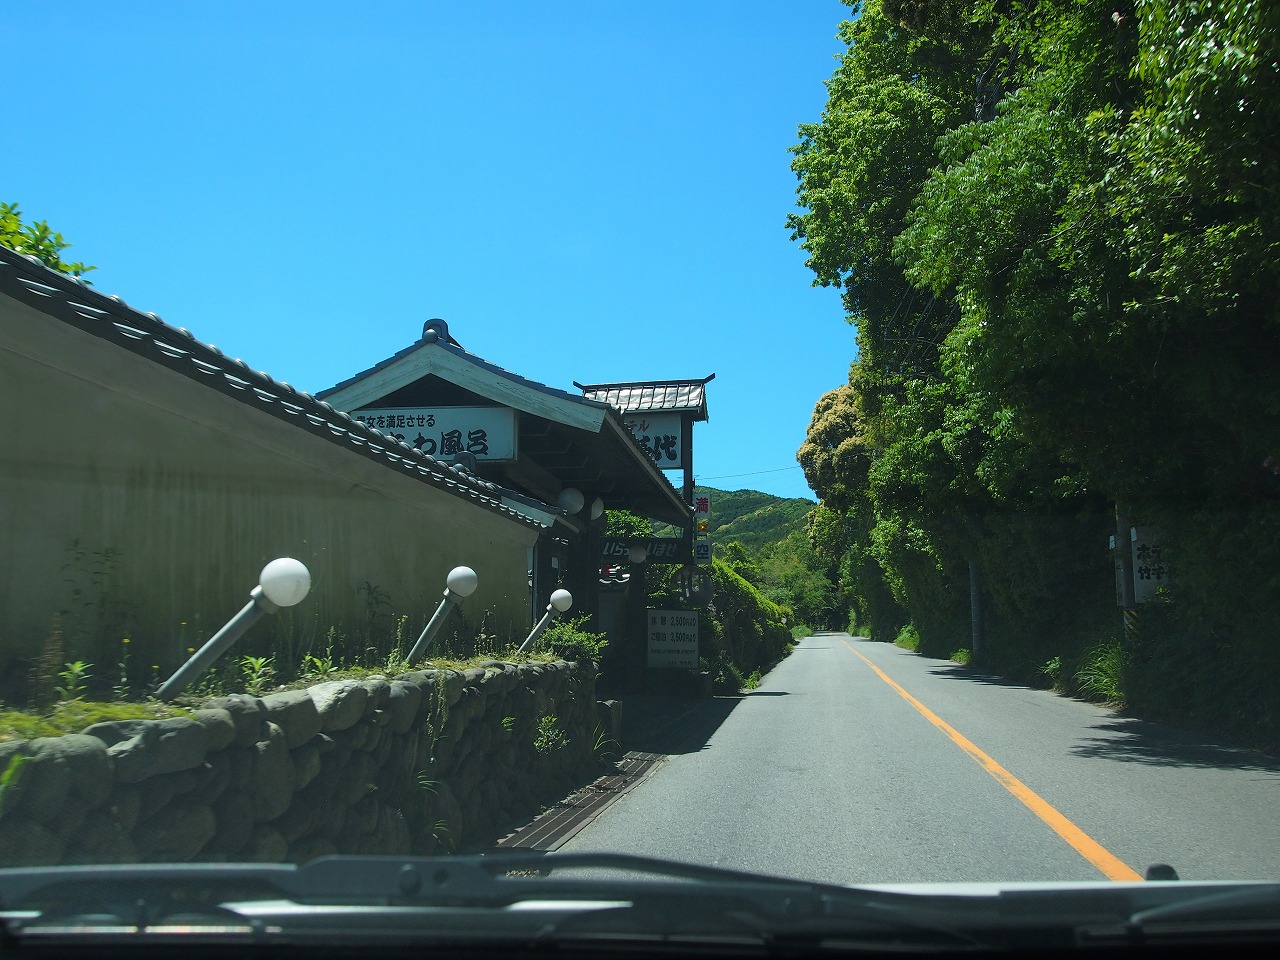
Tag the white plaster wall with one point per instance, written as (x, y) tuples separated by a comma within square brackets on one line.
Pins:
[(195, 491)]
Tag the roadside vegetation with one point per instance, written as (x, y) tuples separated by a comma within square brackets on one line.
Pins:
[(1065, 287)]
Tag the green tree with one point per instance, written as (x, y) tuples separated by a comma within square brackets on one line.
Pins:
[(38, 240)]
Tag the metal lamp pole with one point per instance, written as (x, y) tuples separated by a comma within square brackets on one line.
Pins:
[(462, 583), (561, 601), (282, 583)]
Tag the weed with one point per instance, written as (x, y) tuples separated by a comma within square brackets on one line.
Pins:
[(605, 747), (443, 836), (908, 638), (1052, 670), (508, 723), (1104, 671), (961, 656), (550, 736), (425, 784), (73, 676), (121, 689), (319, 668), (9, 778), (752, 681), (47, 669), (257, 673)]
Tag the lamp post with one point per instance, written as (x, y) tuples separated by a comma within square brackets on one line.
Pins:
[(462, 583), (561, 601), (282, 583), (571, 500)]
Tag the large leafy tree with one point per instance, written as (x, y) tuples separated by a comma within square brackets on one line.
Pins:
[(1055, 222)]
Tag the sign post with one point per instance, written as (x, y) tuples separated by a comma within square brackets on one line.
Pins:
[(673, 639)]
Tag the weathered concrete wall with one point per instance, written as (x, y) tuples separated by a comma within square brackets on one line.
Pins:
[(424, 763), (181, 494)]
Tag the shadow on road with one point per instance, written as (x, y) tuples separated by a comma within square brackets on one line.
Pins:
[(671, 725), (1131, 740)]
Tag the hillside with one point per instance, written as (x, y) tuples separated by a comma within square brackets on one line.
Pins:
[(754, 518)]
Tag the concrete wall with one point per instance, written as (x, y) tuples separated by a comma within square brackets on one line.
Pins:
[(428, 762), (177, 495)]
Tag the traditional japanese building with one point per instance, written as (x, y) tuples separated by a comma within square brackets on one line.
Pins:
[(542, 444)]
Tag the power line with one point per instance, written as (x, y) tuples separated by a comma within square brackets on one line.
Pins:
[(753, 473)]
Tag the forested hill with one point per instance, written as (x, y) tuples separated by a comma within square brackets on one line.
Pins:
[(754, 518)]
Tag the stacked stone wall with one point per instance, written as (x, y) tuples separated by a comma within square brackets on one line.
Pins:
[(428, 762)]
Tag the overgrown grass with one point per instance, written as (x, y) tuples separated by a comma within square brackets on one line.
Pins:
[(1103, 672), (908, 638), (73, 716), (961, 656)]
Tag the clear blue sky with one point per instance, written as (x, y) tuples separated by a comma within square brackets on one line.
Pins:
[(584, 191)]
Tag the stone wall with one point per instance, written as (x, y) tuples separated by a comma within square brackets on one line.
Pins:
[(428, 762)]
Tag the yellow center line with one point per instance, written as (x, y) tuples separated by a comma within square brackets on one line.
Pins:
[(1111, 866)]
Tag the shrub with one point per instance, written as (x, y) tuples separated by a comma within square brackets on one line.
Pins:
[(908, 638), (569, 641)]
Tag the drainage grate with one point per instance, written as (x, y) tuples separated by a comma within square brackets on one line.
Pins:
[(551, 829)]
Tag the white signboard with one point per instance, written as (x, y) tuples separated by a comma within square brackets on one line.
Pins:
[(702, 551), (673, 639), (702, 506), (1151, 569), (659, 433), (489, 433)]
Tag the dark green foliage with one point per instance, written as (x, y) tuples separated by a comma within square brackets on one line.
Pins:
[(567, 639), (1054, 225)]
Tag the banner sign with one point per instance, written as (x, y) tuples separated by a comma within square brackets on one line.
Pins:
[(659, 433), (660, 549), (489, 433), (673, 639)]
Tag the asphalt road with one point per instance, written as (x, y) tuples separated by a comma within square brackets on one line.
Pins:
[(858, 762)]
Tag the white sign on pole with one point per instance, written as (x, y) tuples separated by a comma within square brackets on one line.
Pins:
[(489, 433), (702, 506), (659, 433), (702, 551), (673, 639), (1151, 568)]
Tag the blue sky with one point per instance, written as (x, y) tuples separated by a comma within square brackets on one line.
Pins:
[(584, 191)]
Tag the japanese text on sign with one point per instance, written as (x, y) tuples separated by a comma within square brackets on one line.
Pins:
[(1151, 567), (658, 549), (659, 434), (488, 433), (673, 639)]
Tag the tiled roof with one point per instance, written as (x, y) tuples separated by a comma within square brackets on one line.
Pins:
[(443, 339), (618, 444), (653, 396), (70, 299)]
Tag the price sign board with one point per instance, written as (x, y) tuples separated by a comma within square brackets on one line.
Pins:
[(673, 639)]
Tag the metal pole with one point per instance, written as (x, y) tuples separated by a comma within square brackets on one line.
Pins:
[(217, 645), (539, 628), (975, 609), (429, 631)]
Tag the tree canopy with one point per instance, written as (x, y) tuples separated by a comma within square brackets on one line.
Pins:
[(1054, 224)]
